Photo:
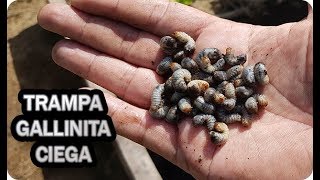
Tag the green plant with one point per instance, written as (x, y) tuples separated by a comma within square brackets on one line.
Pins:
[(186, 2)]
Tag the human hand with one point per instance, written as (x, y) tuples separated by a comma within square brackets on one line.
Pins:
[(116, 44)]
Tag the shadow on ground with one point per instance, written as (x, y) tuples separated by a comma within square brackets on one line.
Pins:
[(261, 12), (34, 67)]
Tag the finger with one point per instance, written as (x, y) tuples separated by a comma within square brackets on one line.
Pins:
[(198, 148), (310, 12), (133, 84), (158, 17), (114, 38), (136, 124)]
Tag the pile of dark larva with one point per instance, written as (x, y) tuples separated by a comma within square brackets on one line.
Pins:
[(214, 88)]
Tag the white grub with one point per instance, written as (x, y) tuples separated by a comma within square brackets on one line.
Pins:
[(213, 54), (205, 65), (211, 95), (234, 71), (220, 134), (242, 58), (220, 75), (185, 105), (261, 74), (203, 76), (243, 92), (194, 112), (238, 82), (208, 95), (167, 65), (159, 113), (156, 97), (218, 98), (239, 76), (164, 66), (175, 66), (198, 119), (205, 118), (229, 91), (248, 75), (228, 118), (233, 60), (197, 87), (158, 109), (251, 105), (168, 85), (229, 104), (246, 118), (218, 65), (179, 55), (209, 60), (168, 44), (173, 114), (190, 65), (176, 96), (261, 99), (221, 86), (188, 41), (180, 78), (203, 106), (210, 120)]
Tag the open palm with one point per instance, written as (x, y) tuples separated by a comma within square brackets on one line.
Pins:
[(116, 45)]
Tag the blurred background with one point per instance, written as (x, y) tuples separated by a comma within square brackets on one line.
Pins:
[(29, 65)]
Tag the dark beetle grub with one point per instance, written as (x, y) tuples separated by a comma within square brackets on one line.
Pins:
[(220, 75), (229, 104), (203, 106), (229, 90), (205, 118), (261, 100), (209, 60), (248, 75), (243, 92), (251, 105), (260, 73), (197, 87), (203, 76), (176, 96), (220, 134), (234, 71), (190, 65), (158, 109), (214, 88), (208, 94), (168, 42), (233, 60), (180, 78), (179, 56), (173, 114), (184, 38), (164, 66), (185, 105)]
